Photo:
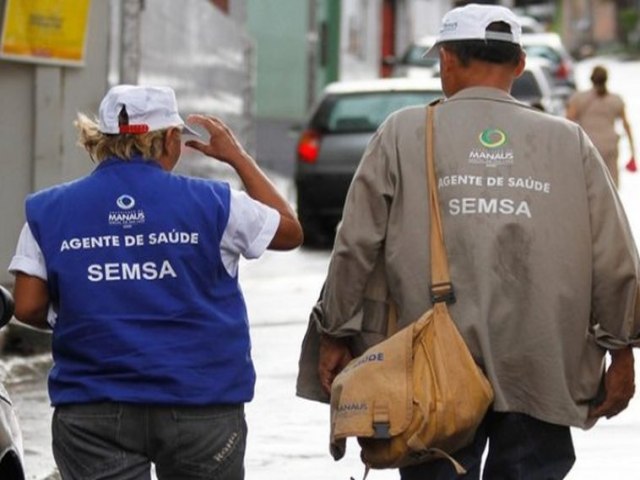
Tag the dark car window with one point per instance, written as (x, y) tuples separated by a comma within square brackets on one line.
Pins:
[(364, 112), (525, 86)]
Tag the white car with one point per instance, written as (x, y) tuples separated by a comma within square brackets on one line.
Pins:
[(550, 47), (537, 85), (10, 435), (537, 44), (537, 88)]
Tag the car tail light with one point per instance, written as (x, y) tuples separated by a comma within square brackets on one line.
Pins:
[(563, 71), (309, 146)]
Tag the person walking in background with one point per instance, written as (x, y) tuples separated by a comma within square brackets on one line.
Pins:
[(135, 270), (597, 111), (543, 264)]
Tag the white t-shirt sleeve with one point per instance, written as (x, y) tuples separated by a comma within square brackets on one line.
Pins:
[(28, 257), (249, 231)]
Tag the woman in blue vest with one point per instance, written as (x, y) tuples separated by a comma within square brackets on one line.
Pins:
[(135, 270)]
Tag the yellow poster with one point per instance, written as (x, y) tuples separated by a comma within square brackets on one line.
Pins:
[(45, 31)]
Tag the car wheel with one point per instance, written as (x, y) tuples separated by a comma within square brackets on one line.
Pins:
[(10, 467), (316, 233)]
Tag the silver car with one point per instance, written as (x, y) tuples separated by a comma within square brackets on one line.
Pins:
[(331, 146), (537, 88), (10, 436), (550, 47)]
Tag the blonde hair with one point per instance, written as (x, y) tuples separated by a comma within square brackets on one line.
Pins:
[(124, 146)]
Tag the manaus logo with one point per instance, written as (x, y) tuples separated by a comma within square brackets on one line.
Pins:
[(493, 138), (125, 202)]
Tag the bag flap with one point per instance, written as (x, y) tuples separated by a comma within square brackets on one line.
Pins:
[(452, 382), (373, 395)]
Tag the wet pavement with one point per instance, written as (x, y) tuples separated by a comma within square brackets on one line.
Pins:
[(26, 383)]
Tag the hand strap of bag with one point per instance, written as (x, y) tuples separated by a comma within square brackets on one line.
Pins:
[(441, 286)]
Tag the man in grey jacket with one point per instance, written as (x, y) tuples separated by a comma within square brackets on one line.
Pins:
[(543, 262)]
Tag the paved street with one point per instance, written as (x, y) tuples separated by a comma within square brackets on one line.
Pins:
[(288, 437)]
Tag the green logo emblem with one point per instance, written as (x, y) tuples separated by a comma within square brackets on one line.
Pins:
[(493, 138)]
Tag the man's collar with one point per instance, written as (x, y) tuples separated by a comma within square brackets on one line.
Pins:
[(482, 92)]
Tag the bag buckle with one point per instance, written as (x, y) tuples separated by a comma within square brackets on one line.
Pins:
[(381, 422), (443, 292), (381, 430)]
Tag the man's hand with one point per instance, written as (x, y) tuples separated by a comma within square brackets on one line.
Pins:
[(222, 145), (334, 356), (619, 385)]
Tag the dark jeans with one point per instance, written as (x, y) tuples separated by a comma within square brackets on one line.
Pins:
[(520, 448), (117, 441)]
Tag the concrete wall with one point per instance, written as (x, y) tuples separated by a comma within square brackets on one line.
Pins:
[(424, 16), (16, 169), (39, 104), (279, 29), (207, 57), (284, 82), (360, 38)]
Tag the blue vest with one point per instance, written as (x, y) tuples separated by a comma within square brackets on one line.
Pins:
[(146, 311)]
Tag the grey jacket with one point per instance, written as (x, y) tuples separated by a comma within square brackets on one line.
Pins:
[(541, 254)]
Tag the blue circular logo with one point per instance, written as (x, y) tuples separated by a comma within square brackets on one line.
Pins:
[(126, 202)]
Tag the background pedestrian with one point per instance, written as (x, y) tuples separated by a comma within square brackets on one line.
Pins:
[(598, 111)]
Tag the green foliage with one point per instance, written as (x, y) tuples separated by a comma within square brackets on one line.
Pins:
[(556, 24), (628, 22)]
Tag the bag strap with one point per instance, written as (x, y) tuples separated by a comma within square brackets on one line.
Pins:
[(441, 286)]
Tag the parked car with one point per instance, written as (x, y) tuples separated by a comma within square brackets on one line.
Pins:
[(536, 44), (333, 142), (537, 87), (10, 436), (550, 47), (547, 81)]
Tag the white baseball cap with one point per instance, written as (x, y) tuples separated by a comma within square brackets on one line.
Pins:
[(470, 23), (148, 108)]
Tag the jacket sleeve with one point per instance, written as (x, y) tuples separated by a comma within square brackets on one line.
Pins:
[(615, 309), (353, 300), (351, 285)]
